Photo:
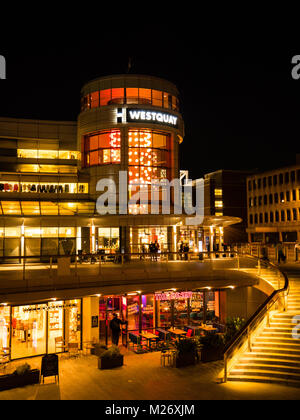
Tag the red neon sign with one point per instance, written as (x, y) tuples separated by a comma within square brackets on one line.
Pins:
[(173, 295)]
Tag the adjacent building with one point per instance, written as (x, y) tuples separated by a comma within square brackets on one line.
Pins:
[(273, 199)]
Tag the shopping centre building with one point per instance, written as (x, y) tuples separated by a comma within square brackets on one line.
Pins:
[(49, 178)]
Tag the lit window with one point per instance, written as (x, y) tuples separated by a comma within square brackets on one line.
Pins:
[(218, 191), (30, 208), (148, 159), (11, 208), (218, 204), (102, 148)]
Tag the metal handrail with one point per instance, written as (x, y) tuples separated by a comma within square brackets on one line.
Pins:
[(258, 314), (120, 254)]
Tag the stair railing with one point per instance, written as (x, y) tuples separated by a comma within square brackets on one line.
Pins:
[(242, 340)]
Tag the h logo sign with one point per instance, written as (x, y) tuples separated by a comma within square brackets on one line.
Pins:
[(121, 115), (2, 67)]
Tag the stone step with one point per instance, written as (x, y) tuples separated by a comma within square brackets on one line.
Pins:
[(278, 340), (268, 367), (266, 373), (265, 379), (270, 348), (284, 316), (277, 335), (282, 324), (266, 360), (272, 356), (293, 344)]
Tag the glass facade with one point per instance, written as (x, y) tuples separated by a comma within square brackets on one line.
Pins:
[(102, 148), (108, 239), (44, 187), (149, 158), (47, 154), (34, 328), (119, 96)]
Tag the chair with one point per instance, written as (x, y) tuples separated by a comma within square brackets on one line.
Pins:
[(60, 344), (134, 341), (4, 357), (88, 346), (73, 349), (167, 357), (189, 333)]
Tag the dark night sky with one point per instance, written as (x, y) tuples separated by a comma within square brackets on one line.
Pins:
[(240, 104)]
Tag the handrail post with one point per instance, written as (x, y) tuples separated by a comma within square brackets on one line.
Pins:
[(258, 267), (249, 339), (268, 319), (225, 367), (24, 271), (75, 265), (51, 267), (238, 261)]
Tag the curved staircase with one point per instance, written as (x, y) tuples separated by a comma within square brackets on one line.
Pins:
[(275, 353)]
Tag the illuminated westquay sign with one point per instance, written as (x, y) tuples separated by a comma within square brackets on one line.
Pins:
[(173, 295), (139, 115)]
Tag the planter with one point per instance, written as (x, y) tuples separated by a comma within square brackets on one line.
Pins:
[(211, 354), (15, 381), (110, 363), (186, 359), (98, 349)]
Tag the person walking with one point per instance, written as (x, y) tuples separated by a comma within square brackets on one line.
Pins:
[(181, 251), (280, 254), (114, 325), (156, 248)]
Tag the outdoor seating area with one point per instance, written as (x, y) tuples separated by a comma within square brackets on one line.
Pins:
[(164, 339)]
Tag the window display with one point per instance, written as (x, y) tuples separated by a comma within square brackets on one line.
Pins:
[(102, 148), (4, 326), (28, 331), (108, 239), (40, 187), (149, 158), (35, 327)]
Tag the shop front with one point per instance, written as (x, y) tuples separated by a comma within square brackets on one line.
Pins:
[(32, 330), (146, 312)]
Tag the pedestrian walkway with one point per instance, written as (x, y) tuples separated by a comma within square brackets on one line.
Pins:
[(142, 378)]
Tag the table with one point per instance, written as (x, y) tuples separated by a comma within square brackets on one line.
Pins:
[(149, 337), (208, 328), (195, 329), (177, 332)]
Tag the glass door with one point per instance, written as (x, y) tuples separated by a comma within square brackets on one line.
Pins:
[(28, 331), (55, 324)]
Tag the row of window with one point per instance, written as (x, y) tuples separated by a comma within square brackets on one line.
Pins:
[(280, 179), (47, 154), (288, 215), (45, 208), (148, 150), (275, 198), (129, 96), (37, 187)]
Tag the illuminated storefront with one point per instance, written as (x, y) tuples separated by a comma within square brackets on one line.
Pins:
[(145, 312), (31, 330)]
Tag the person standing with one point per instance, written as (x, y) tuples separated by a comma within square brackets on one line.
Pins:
[(156, 249), (114, 325), (280, 253)]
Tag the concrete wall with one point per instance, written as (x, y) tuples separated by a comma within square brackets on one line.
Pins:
[(243, 302)]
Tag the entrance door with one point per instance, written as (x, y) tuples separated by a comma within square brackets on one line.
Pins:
[(55, 324)]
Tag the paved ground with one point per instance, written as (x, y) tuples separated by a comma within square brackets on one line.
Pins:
[(142, 378)]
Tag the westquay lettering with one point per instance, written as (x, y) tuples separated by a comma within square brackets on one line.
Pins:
[(136, 115)]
